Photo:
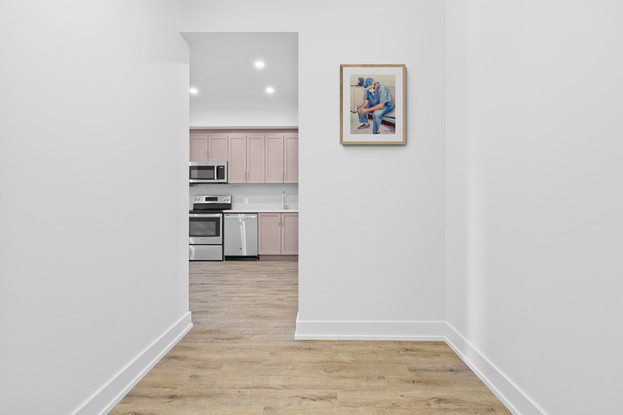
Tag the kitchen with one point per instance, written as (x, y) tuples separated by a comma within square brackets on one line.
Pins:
[(243, 164)]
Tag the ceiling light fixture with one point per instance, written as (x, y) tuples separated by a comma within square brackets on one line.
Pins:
[(259, 64), (193, 91), (270, 90)]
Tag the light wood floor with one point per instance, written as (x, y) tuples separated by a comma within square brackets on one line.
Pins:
[(241, 358)]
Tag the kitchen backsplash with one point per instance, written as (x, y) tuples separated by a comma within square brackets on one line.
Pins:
[(260, 196)]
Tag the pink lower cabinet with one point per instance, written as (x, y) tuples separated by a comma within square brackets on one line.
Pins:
[(269, 233), (278, 233), (289, 233)]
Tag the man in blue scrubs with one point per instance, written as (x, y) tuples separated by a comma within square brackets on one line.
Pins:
[(376, 100)]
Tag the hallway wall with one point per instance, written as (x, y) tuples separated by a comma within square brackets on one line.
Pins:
[(534, 178), (371, 222), (93, 286)]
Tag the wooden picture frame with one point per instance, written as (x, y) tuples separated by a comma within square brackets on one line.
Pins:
[(373, 104)]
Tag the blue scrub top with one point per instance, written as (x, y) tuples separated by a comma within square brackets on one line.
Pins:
[(381, 94)]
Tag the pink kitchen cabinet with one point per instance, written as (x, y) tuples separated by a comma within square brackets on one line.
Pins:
[(256, 159), (217, 147), (253, 157), (278, 233), (291, 158), (207, 147), (269, 233), (237, 161), (274, 158), (289, 233), (198, 146), (246, 158), (282, 152)]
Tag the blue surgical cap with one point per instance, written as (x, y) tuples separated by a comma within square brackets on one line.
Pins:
[(368, 82)]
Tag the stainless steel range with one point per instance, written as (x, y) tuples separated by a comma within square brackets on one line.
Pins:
[(205, 236)]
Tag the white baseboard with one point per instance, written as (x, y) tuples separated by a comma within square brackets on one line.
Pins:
[(370, 330), (105, 399), (515, 399)]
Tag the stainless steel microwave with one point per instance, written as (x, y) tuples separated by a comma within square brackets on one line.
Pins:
[(207, 172)]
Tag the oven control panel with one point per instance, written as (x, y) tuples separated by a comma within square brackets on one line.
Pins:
[(212, 199)]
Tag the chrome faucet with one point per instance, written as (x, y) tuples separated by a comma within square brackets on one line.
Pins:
[(283, 200)]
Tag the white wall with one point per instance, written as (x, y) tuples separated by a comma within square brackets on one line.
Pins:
[(534, 202), (94, 99), (371, 222)]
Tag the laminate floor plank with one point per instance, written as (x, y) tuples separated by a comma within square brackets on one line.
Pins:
[(241, 358)]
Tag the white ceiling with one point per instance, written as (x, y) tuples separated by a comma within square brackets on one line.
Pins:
[(222, 69)]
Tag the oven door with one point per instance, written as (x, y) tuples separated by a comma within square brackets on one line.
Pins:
[(206, 229)]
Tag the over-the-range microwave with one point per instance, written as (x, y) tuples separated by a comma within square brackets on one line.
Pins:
[(207, 172)]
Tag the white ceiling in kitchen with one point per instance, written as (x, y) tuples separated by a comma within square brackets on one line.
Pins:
[(222, 69)]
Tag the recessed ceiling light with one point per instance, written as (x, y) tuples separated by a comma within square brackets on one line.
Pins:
[(270, 90), (193, 91), (259, 64)]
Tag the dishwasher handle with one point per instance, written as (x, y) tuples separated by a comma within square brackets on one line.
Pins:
[(241, 215)]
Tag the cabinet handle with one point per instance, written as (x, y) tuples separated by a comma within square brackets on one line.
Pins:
[(283, 175)]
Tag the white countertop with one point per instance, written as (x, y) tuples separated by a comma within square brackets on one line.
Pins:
[(261, 208)]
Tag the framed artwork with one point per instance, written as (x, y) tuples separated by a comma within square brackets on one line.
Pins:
[(372, 104)]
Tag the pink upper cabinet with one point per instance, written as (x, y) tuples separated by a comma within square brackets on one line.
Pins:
[(198, 147), (256, 155), (274, 158), (237, 166), (217, 148), (291, 160)]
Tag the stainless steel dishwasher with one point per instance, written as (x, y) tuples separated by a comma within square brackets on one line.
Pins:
[(241, 236)]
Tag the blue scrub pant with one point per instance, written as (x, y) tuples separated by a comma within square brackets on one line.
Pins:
[(377, 116)]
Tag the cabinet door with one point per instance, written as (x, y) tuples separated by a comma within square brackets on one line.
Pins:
[(237, 167), (217, 148), (198, 147), (290, 233), (274, 159), (256, 154), (269, 230), (291, 158)]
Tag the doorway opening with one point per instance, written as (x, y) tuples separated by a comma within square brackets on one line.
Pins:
[(244, 115)]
